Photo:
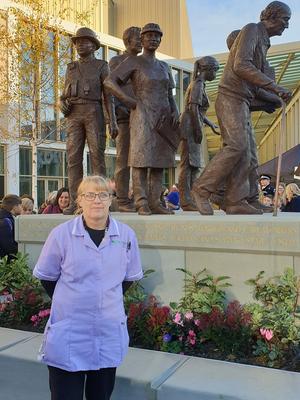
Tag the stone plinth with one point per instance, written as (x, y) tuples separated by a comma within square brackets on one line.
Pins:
[(237, 246)]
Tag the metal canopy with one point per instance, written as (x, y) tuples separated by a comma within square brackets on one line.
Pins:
[(285, 58)]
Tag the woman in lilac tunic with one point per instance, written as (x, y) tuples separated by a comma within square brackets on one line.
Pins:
[(86, 264)]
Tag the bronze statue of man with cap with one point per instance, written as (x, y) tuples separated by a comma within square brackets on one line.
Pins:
[(82, 104), (243, 75), (150, 148), (132, 42)]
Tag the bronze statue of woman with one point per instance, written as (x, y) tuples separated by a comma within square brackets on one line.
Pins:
[(149, 152)]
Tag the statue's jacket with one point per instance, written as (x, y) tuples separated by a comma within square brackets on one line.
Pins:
[(245, 70)]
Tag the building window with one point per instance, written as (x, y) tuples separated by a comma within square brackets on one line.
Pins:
[(110, 163), (51, 171), (112, 53), (25, 165), (1, 172), (100, 53), (176, 90)]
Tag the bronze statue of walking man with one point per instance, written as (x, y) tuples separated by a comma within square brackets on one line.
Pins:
[(132, 42), (82, 104), (244, 73)]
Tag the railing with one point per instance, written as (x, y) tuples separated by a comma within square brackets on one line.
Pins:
[(268, 148)]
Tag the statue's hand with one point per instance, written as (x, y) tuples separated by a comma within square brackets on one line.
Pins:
[(284, 94), (113, 130), (65, 107)]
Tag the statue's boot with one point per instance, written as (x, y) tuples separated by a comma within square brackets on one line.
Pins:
[(159, 209), (218, 200), (241, 207), (144, 210), (155, 187), (189, 207), (202, 203), (128, 207), (257, 204)]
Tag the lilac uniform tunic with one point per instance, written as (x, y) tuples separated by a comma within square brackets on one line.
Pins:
[(87, 326)]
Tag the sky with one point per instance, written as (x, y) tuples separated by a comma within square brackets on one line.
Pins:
[(212, 20)]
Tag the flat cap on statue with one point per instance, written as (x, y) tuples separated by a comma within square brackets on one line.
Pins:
[(87, 33), (151, 27)]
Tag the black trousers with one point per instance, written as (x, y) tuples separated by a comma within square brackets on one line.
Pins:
[(97, 385)]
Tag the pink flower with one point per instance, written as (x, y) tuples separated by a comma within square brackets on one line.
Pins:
[(262, 332), (189, 315), (197, 322), (193, 342), (269, 334), (266, 333), (177, 319), (34, 318), (44, 313), (180, 338), (192, 334)]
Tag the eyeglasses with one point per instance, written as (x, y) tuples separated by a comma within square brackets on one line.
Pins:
[(90, 196)]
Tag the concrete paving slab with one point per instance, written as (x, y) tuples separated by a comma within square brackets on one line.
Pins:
[(22, 376), (205, 379), (10, 337), (141, 373)]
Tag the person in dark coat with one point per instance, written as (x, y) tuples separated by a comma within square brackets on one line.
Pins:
[(265, 185), (10, 208), (292, 192)]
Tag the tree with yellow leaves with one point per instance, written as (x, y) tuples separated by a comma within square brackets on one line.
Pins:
[(34, 54)]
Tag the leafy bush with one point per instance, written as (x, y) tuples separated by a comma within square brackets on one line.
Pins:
[(145, 323), (16, 273), (24, 294), (277, 311), (202, 294)]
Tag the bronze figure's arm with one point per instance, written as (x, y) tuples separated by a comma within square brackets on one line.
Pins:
[(109, 104), (112, 81)]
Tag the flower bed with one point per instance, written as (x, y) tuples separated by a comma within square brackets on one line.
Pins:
[(265, 332)]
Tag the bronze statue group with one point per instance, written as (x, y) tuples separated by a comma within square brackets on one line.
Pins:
[(135, 93)]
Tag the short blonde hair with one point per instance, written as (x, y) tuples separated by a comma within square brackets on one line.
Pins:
[(27, 203), (100, 182), (292, 188)]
